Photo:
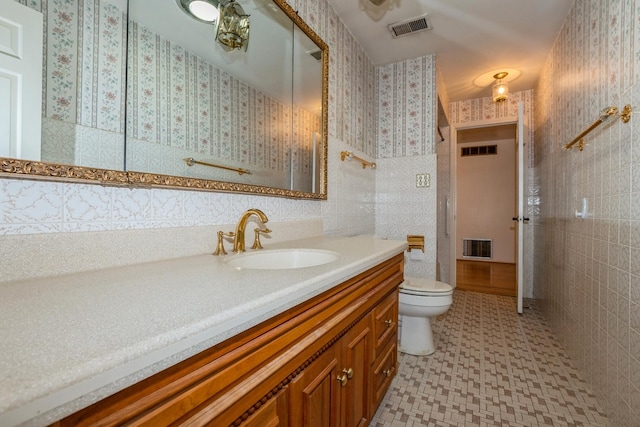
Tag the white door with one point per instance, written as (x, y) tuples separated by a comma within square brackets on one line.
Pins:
[(521, 207), (20, 80)]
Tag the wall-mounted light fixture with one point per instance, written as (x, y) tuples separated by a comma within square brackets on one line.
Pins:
[(232, 30), (500, 90), (231, 23)]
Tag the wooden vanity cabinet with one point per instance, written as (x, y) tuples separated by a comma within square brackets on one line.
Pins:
[(326, 362)]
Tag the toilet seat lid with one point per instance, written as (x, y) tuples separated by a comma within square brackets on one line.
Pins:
[(425, 285)]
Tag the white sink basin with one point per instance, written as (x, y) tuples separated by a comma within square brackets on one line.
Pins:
[(279, 259)]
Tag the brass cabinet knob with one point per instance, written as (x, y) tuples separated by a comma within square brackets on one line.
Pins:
[(389, 322), (348, 373), (387, 372), (342, 379)]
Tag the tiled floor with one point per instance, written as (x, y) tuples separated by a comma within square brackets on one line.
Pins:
[(492, 367)]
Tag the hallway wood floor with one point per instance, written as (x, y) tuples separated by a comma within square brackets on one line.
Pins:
[(486, 277)]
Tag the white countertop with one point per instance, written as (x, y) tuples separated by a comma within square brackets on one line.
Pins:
[(71, 340)]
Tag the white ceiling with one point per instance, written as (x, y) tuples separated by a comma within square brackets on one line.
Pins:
[(469, 37)]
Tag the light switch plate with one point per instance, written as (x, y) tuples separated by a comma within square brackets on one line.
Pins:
[(423, 180)]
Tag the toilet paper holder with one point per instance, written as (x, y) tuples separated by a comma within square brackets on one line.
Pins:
[(415, 242)]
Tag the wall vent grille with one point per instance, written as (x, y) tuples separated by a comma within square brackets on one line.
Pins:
[(479, 150), (477, 248), (411, 26)]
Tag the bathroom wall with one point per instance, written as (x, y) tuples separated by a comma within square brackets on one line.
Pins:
[(487, 181), (29, 206), (587, 271), (479, 109), (406, 102)]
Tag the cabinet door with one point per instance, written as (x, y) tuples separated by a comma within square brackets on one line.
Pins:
[(356, 361), (314, 394)]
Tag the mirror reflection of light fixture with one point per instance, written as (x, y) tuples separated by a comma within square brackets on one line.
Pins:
[(203, 10), (232, 29), (231, 24), (500, 90)]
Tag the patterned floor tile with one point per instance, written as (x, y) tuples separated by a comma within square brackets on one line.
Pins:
[(492, 367)]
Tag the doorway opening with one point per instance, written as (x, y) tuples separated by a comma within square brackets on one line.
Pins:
[(486, 185)]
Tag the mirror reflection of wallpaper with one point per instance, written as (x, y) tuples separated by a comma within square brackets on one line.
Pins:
[(84, 110), (182, 106), (83, 81)]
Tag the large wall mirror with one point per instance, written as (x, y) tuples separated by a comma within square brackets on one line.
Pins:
[(143, 93)]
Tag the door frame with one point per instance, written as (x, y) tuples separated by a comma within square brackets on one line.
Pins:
[(455, 127)]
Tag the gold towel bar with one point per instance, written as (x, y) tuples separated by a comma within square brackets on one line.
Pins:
[(348, 155), (191, 161), (606, 115)]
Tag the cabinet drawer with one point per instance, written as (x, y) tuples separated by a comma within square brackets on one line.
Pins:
[(385, 320), (384, 369)]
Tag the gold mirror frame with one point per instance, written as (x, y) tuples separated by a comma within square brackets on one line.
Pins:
[(16, 168)]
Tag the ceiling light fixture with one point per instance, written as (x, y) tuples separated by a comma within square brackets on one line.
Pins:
[(231, 23), (500, 90), (203, 10)]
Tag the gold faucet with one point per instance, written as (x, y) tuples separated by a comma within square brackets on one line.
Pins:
[(238, 240)]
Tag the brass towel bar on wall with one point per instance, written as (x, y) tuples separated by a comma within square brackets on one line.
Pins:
[(606, 115), (348, 155), (191, 161)]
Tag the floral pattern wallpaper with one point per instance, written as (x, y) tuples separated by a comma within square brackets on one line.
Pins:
[(406, 103), (587, 270), (179, 100), (84, 55), (61, 206)]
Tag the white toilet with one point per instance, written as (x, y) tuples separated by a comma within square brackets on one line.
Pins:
[(421, 299)]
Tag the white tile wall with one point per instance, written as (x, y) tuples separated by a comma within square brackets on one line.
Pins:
[(402, 208), (587, 270)]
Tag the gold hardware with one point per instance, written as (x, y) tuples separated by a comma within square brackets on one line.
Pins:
[(388, 322), (190, 161), (625, 116), (348, 155), (256, 240), (415, 242), (342, 379), (605, 116), (238, 241), (348, 373), (220, 247), (387, 372)]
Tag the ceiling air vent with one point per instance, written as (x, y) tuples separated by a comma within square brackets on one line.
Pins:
[(410, 26)]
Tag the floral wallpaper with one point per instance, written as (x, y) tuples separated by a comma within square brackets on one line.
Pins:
[(212, 114), (85, 67), (587, 270), (406, 102), (61, 207)]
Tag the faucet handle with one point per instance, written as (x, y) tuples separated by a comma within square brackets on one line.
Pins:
[(220, 247), (256, 241)]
